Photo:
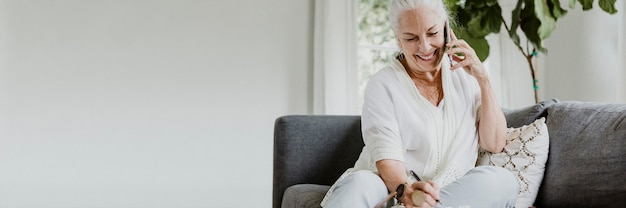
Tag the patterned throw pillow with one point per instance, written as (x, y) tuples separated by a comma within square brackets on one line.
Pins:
[(525, 156)]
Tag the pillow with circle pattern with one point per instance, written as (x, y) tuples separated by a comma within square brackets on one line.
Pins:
[(525, 155)]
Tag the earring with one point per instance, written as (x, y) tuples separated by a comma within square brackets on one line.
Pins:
[(400, 56)]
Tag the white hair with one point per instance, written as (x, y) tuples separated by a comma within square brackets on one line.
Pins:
[(398, 7)]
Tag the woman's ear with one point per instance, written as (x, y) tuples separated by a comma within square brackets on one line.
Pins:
[(399, 43)]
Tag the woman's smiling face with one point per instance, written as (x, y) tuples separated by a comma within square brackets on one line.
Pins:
[(421, 39)]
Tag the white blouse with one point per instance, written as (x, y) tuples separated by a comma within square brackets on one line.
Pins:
[(439, 143)]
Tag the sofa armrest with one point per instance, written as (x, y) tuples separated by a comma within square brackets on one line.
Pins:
[(313, 149)]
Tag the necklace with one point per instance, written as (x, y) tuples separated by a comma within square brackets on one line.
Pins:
[(432, 91)]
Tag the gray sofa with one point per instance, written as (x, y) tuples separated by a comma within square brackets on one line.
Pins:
[(586, 164)]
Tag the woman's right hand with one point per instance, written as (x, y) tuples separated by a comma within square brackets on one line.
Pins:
[(430, 190)]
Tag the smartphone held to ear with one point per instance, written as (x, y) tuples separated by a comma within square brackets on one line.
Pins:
[(446, 34), (447, 39)]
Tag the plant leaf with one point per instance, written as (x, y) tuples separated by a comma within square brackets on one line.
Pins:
[(475, 26), (491, 2), (480, 46), (587, 4), (556, 10), (548, 23), (608, 6), (530, 28), (475, 4), (494, 16), (481, 21), (492, 19), (515, 18), (530, 25), (452, 5), (572, 4)]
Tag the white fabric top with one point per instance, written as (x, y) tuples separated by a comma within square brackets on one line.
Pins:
[(438, 143), (399, 123)]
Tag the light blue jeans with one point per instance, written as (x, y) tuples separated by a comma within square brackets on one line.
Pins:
[(483, 186)]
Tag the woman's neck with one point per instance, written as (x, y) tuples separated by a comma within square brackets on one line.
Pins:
[(429, 84), (428, 77)]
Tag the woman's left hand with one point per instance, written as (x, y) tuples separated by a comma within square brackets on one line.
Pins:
[(465, 56)]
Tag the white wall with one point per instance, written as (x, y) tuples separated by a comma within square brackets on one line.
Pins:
[(147, 103), (585, 61)]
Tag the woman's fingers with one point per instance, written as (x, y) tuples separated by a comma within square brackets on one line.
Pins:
[(423, 206), (465, 57), (458, 54), (452, 35), (426, 193), (435, 186), (463, 54), (460, 47), (425, 187), (429, 201)]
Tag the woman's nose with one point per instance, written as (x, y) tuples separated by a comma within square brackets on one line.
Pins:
[(424, 45)]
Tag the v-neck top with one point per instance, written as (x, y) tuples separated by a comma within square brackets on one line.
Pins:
[(395, 127)]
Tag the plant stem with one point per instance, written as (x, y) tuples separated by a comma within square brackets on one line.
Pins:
[(533, 74), (509, 30), (529, 59)]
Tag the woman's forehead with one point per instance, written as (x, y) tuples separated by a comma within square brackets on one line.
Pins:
[(419, 19)]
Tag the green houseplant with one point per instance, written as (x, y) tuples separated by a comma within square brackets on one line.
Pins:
[(535, 18)]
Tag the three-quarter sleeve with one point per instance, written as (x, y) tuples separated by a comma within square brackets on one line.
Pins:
[(381, 133)]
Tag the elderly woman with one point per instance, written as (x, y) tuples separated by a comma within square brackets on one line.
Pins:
[(425, 116)]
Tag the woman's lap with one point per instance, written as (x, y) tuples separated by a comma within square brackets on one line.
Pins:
[(359, 189), (484, 186)]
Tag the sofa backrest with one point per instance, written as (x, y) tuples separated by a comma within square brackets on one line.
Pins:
[(586, 164), (313, 150), (523, 116), (587, 160)]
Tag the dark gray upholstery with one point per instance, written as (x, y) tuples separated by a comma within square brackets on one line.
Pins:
[(304, 195), (523, 116), (587, 162), (585, 168), (313, 150)]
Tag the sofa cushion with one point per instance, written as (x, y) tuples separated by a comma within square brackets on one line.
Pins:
[(587, 160), (304, 195), (524, 116), (525, 156)]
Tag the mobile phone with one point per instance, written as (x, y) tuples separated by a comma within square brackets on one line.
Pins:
[(447, 39), (446, 34)]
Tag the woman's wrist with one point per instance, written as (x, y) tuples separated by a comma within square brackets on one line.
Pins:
[(482, 79), (400, 191)]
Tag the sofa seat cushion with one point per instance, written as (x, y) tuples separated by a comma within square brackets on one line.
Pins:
[(304, 195), (587, 160)]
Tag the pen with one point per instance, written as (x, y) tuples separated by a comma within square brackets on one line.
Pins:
[(415, 175), (415, 196)]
